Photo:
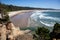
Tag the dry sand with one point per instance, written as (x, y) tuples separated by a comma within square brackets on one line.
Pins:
[(22, 19), (14, 13)]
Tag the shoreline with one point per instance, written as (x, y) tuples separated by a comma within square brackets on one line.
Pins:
[(21, 12), (14, 13)]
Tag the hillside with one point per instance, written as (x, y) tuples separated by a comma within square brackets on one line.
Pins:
[(15, 8), (14, 33)]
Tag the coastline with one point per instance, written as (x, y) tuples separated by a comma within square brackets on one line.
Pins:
[(22, 19), (14, 13)]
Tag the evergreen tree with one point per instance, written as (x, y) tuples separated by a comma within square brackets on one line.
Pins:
[(42, 34), (56, 31)]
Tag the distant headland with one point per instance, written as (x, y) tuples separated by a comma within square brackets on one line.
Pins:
[(15, 8)]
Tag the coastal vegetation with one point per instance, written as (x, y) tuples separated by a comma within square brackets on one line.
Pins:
[(4, 16), (15, 8), (41, 34), (44, 34), (56, 32)]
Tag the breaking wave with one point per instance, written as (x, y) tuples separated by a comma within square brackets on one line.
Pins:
[(47, 19)]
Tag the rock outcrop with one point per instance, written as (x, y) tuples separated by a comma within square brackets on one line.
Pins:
[(24, 37), (10, 32), (2, 32)]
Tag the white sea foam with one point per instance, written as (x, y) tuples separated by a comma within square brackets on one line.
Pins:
[(47, 24), (45, 16)]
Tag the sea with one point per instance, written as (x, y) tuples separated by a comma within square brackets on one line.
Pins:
[(48, 18)]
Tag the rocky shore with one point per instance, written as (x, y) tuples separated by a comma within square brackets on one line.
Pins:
[(10, 32)]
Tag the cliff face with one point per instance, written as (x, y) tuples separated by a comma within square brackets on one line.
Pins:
[(10, 32), (2, 32)]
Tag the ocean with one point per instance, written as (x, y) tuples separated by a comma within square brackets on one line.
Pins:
[(48, 18)]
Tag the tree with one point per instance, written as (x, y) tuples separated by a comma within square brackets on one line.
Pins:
[(42, 34), (56, 28), (4, 16), (56, 31)]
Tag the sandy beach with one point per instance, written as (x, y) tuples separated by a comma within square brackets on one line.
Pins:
[(14, 13), (20, 18)]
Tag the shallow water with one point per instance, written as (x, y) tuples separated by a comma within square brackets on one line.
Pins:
[(21, 20), (46, 18)]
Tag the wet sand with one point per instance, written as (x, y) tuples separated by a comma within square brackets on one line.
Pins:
[(20, 18)]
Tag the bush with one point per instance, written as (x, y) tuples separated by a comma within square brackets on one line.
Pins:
[(42, 34)]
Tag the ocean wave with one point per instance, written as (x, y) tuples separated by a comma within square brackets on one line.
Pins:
[(47, 24), (49, 17), (45, 17)]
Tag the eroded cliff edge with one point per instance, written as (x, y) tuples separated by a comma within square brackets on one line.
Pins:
[(10, 32)]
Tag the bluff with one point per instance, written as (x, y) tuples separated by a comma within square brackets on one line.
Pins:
[(10, 32)]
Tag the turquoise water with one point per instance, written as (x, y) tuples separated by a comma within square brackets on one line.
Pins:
[(53, 14), (47, 18)]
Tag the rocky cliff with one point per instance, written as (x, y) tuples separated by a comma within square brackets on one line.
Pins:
[(10, 32)]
